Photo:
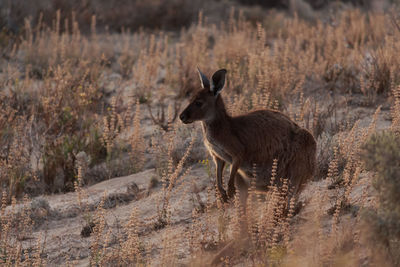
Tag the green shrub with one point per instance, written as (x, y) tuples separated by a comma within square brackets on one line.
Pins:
[(382, 155)]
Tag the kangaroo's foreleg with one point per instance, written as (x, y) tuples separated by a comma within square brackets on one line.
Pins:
[(220, 164), (231, 183)]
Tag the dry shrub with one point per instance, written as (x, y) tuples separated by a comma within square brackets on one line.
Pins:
[(396, 111), (15, 165), (65, 109), (115, 15), (169, 147), (15, 227), (172, 179)]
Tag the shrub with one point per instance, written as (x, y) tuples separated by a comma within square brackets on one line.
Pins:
[(115, 14), (382, 155)]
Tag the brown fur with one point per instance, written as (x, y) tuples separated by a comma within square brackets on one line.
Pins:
[(257, 138)]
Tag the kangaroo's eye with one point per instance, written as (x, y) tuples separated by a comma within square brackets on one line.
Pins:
[(198, 103)]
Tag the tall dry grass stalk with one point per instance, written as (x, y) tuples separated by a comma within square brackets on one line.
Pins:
[(137, 142), (171, 180)]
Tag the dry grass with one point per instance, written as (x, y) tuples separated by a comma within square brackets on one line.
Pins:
[(76, 109)]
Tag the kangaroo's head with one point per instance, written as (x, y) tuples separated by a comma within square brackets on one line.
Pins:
[(203, 104)]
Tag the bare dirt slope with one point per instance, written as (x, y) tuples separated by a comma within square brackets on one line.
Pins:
[(62, 228)]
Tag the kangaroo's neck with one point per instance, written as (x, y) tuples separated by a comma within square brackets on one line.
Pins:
[(220, 120)]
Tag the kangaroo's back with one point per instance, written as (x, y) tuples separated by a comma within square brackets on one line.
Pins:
[(269, 135)]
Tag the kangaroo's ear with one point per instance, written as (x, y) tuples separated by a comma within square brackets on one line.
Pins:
[(218, 81), (205, 83)]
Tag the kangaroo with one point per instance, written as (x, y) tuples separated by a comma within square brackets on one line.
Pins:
[(250, 142)]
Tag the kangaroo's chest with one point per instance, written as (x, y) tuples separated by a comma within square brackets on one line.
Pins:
[(217, 149)]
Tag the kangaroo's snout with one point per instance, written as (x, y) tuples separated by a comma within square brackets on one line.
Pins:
[(184, 117)]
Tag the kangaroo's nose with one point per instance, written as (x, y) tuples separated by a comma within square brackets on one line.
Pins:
[(182, 116)]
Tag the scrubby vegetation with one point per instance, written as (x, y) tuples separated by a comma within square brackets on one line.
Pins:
[(383, 156), (80, 105)]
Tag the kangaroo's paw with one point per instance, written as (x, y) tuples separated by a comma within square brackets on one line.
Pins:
[(231, 191), (223, 196)]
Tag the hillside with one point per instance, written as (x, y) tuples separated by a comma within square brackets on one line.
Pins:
[(97, 169)]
